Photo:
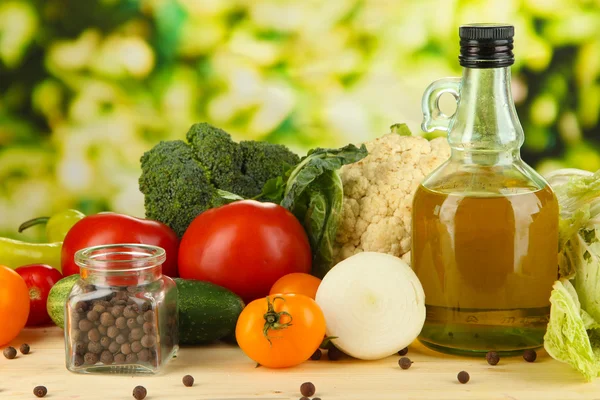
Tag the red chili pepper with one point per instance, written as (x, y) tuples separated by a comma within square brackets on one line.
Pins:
[(113, 228)]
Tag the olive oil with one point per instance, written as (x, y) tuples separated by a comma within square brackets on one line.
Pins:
[(485, 224), (487, 262)]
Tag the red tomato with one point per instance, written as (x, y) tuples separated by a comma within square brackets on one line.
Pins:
[(112, 228), (245, 247), (14, 304), (39, 279)]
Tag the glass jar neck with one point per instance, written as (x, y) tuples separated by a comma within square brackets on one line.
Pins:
[(485, 127), (120, 264)]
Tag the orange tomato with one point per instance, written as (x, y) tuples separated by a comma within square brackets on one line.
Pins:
[(297, 283), (280, 331), (14, 304)]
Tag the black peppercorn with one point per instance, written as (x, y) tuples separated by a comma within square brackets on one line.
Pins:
[(529, 355), (149, 316), (94, 335), (492, 357), (139, 393), (40, 391), (307, 389), (463, 377), (106, 357), (120, 358), (188, 380), (140, 319), (78, 360), (143, 355), (137, 333), (86, 325), (145, 307), (405, 363), (24, 348), (99, 308), (316, 398), (114, 347), (316, 355), (93, 315), (129, 313), (90, 358), (148, 340), (95, 347), (148, 328), (121, 322), (103, 330), (120, 339), (80, 348), (117, 311), (136, 346), (403, 352), (107, 319), (112, 332), (304, 398), (10, 352), (125, 348), (81, 306), (131, 323), (131, 358), (334, 354)]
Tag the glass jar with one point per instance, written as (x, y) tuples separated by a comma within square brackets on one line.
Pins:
[(485, 224), (122, 315)]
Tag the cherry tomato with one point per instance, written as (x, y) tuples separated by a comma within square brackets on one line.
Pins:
[(245, 247), (39, 279), (280, 331), (297, 283), (14, 304)]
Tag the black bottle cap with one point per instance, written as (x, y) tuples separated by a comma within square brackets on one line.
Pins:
[(486, 45)]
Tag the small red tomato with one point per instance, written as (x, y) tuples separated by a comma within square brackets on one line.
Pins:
[(39, 279)]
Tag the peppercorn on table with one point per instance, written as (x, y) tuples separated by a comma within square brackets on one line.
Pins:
[(224, 372)]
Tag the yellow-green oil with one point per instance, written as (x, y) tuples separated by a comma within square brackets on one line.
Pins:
[(487, 261)]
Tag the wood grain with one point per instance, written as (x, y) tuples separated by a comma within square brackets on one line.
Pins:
[(224, 373)]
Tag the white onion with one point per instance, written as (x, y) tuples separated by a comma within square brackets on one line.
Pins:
[(373, 303)]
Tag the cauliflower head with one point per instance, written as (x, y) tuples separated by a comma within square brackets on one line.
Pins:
[(378, 194)]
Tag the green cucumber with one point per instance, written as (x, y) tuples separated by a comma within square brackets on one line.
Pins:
[(57, 299), (207, 312)]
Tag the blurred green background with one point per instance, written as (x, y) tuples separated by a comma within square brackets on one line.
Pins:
[(87, 86)]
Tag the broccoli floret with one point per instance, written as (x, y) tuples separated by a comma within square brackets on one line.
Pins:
[(214, 148), (176, 187), (263, 161), (180, 180)]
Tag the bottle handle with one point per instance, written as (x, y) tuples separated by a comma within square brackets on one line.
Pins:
[(433, 117)]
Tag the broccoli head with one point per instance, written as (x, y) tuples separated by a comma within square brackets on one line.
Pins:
[(176, 187), (263, 161), (180, 180)]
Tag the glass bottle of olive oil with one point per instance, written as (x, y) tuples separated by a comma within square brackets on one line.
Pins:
[(485, 224)]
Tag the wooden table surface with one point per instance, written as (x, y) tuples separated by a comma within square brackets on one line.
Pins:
[(223, 372)]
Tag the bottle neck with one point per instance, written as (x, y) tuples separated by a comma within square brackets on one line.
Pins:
[(485, 127)]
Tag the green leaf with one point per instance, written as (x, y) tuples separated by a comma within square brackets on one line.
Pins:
[(273, 190), (401, 129), (314, 194), (316, 163), (566, 337), (228, 196)]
